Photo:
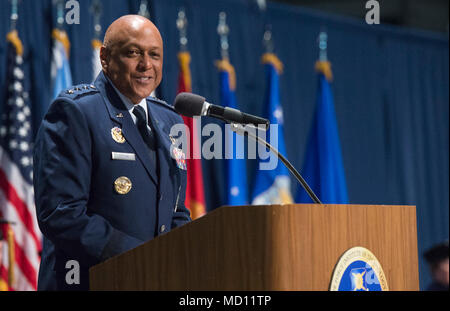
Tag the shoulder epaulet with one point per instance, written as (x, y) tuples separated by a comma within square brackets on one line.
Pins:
[(79, 90), (161, 102)]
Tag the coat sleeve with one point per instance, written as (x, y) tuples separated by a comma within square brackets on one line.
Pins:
[(62, 172), (182, 214)]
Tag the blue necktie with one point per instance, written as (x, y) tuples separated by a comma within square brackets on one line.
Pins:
[(141, 123), (147, 135)]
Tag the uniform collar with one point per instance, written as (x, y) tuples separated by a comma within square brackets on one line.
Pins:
[(128, 103)]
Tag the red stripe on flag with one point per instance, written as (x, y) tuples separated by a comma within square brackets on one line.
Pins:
[(4, 278), (29, 272), (20, 206), (3, 273), (24, 265)]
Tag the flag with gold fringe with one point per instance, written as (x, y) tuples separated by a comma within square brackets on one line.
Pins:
[(20, 258), (61, 77), (195, 196), (236, 172), (323, 167), (273, 186), (96, 64)]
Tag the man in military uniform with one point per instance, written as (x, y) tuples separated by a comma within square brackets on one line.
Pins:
[(104, 178)]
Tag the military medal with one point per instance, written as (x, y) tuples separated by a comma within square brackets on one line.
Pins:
[(180, 158), (117, 135), (178, 154), (122, 185), (172, 139)]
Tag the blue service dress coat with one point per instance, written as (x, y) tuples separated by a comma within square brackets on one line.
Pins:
[(91, 204)]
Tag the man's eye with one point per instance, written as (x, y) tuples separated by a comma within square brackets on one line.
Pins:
[(133, 52), (154, 55)]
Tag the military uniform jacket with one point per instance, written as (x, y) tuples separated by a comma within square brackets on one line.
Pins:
[(91, 204)]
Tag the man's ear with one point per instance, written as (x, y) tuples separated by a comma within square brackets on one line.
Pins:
[(104, 57)]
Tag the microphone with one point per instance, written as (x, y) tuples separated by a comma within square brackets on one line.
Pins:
[(191, 105)]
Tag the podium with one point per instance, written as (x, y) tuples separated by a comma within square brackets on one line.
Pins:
[(268, 248)]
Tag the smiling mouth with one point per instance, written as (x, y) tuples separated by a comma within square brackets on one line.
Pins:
[(143, 79)]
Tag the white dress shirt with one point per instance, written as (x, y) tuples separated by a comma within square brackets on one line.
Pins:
[(130, 106)]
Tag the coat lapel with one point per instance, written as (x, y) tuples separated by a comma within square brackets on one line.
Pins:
[(167, 169)]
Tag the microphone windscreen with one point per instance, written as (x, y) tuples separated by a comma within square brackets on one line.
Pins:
[(188, 104)]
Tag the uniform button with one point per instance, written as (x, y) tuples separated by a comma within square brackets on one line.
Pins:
[(163, 228), (160, 197)]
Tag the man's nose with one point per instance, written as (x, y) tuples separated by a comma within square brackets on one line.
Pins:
[(145, 62)]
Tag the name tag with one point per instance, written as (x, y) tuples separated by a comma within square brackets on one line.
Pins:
[(123, 156)]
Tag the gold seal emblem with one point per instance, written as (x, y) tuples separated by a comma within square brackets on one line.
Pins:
[(122, 185), (358, 270), (116, 133)]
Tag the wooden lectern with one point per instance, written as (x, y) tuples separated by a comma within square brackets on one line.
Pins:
[(275, 247)]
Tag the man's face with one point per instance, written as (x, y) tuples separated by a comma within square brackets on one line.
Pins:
[(441, 272), (134, 61)]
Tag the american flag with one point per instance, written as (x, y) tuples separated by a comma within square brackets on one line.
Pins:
[(16, 174)]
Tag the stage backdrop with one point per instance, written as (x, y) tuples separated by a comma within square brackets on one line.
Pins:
[(390, 88)]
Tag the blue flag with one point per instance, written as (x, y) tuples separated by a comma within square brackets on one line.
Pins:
[(60, 69), (272, 186), (323, 169), (236, 178)]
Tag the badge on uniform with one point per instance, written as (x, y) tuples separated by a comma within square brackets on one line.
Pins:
[(117, 135), (122, 185), (179, 157), (178, 154)]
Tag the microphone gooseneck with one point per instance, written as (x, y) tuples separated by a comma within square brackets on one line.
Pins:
[(238, 128), (192, 105)]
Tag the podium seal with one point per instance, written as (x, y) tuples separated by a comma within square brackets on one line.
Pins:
[(358, 270)]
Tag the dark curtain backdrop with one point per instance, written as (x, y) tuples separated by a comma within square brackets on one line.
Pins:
[(390, 87)]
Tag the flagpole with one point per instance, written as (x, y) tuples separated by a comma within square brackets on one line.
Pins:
[(223, 30), (59, 13), (323, 38), (96, 10), (14, 14), (182, 28), (267, 39), (239, 129), (143, 9)]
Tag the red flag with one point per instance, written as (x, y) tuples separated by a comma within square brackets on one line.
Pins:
[(195, 196)]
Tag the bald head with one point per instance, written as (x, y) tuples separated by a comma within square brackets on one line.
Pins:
[(132, 56), (125, 26)]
